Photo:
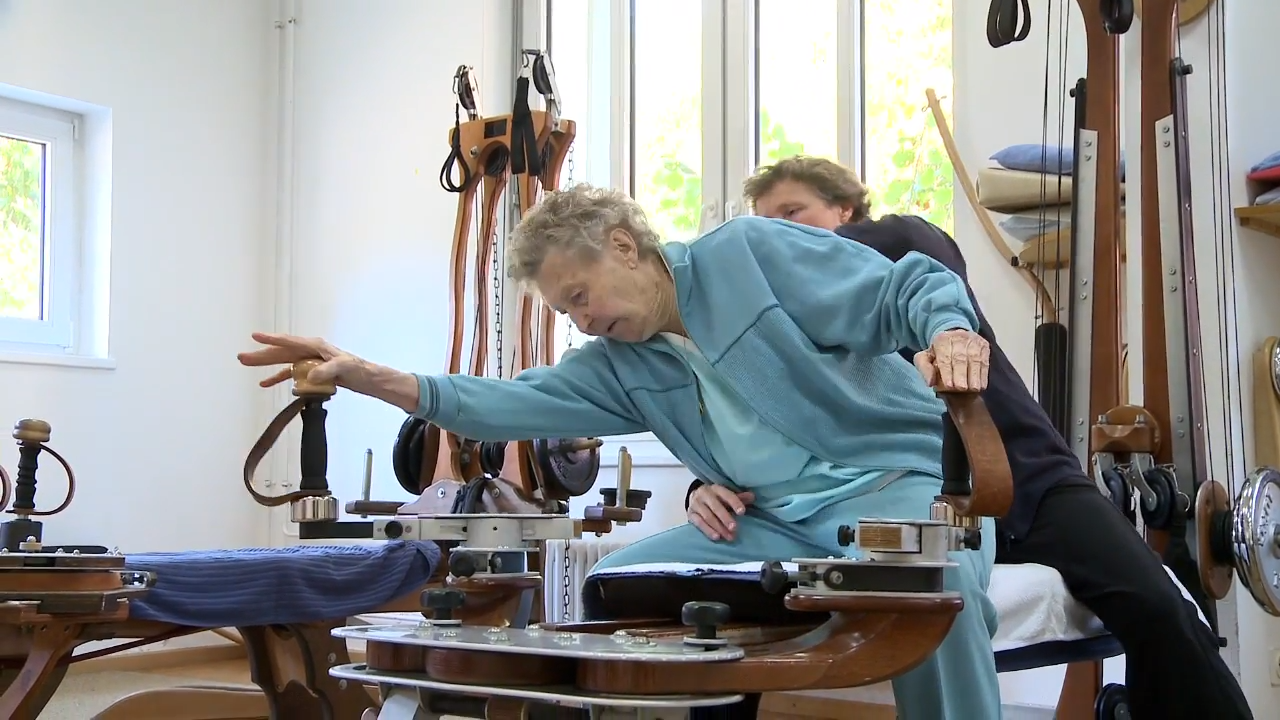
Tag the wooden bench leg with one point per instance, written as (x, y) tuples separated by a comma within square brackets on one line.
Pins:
[(1080, 691), (29, 691), (291, 664)]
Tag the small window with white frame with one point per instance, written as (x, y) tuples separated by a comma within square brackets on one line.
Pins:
[(39, 237)]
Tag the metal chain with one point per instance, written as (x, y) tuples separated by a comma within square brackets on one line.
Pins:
[(565, 616), (497, 301), (568, 344)]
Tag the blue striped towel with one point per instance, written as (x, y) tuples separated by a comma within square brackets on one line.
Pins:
[(268, 586)]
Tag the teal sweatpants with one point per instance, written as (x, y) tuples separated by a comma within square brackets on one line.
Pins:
[(958, 682)]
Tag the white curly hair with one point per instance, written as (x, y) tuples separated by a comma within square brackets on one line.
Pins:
[(578, 220)]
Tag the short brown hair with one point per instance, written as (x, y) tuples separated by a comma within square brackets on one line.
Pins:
[(832, 182)]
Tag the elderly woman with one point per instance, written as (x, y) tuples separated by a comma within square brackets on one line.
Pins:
[(762, 356), (1173, 666)]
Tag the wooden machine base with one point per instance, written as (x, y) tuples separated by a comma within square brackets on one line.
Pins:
[(290, 664), (873, 639)]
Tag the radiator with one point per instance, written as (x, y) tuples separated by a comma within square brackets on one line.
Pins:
[(582, 555)]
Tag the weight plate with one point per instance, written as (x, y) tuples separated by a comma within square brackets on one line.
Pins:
[(565, 474), (1255, 525), (1275, 364), (1213, 539), (406, 454)]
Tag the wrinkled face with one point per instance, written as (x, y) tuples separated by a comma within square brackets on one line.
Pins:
[(797, 202), (614, 295)]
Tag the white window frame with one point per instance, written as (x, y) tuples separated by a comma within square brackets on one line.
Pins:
[(57, 130)]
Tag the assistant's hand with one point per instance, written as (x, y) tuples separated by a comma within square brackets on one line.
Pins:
[(713, 507), (958, 360), (336, 366)]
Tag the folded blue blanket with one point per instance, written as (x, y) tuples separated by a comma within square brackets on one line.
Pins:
[(266, 586), (1268, 162)]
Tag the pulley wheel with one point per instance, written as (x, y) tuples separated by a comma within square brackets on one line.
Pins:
[(406, 454), (565, 473), (1165, 487), (1255, 537), (1112, 703), (1120, 492)]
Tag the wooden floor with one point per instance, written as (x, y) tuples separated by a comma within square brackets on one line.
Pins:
[(223, 671)]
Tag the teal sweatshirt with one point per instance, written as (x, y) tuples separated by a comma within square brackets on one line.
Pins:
[(803, 324)]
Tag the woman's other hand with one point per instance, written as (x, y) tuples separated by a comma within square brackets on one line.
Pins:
[(712, 509)]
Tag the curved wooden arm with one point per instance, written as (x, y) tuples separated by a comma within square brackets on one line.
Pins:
[(984, 218), (974, 460)]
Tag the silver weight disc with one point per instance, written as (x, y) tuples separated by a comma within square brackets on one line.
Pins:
[(1275, 368), (1255, 537)]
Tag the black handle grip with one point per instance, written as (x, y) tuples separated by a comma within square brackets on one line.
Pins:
[(314, 460), (955, 461)]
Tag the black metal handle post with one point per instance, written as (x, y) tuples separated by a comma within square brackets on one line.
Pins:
[(955, 460)]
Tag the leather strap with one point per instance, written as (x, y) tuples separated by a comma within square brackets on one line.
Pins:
[(263, 446), (525, 154), (1003, 20)]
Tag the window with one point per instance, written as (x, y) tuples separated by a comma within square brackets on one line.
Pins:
[(907, 168), (39, 242), (796, 84), (666, 129)]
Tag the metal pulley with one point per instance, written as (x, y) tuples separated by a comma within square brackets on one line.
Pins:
[(567, 466), (1244, 537)]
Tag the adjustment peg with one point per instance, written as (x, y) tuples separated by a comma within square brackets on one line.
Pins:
[(463, 564), (443, 601), (846, 535), (774, 578), (705, 618)]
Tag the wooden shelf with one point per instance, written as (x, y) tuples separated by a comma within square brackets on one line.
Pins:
[(1052, 251), (1263, 218)]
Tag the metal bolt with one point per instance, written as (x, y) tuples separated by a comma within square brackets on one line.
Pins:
[(332, 658)]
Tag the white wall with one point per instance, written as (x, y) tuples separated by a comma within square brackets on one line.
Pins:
[(157, 442)]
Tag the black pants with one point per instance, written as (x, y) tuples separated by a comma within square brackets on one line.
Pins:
[(1172, 666)]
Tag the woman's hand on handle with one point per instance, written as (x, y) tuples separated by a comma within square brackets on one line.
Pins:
[(713, 507), (957, 361), (336, 366)]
